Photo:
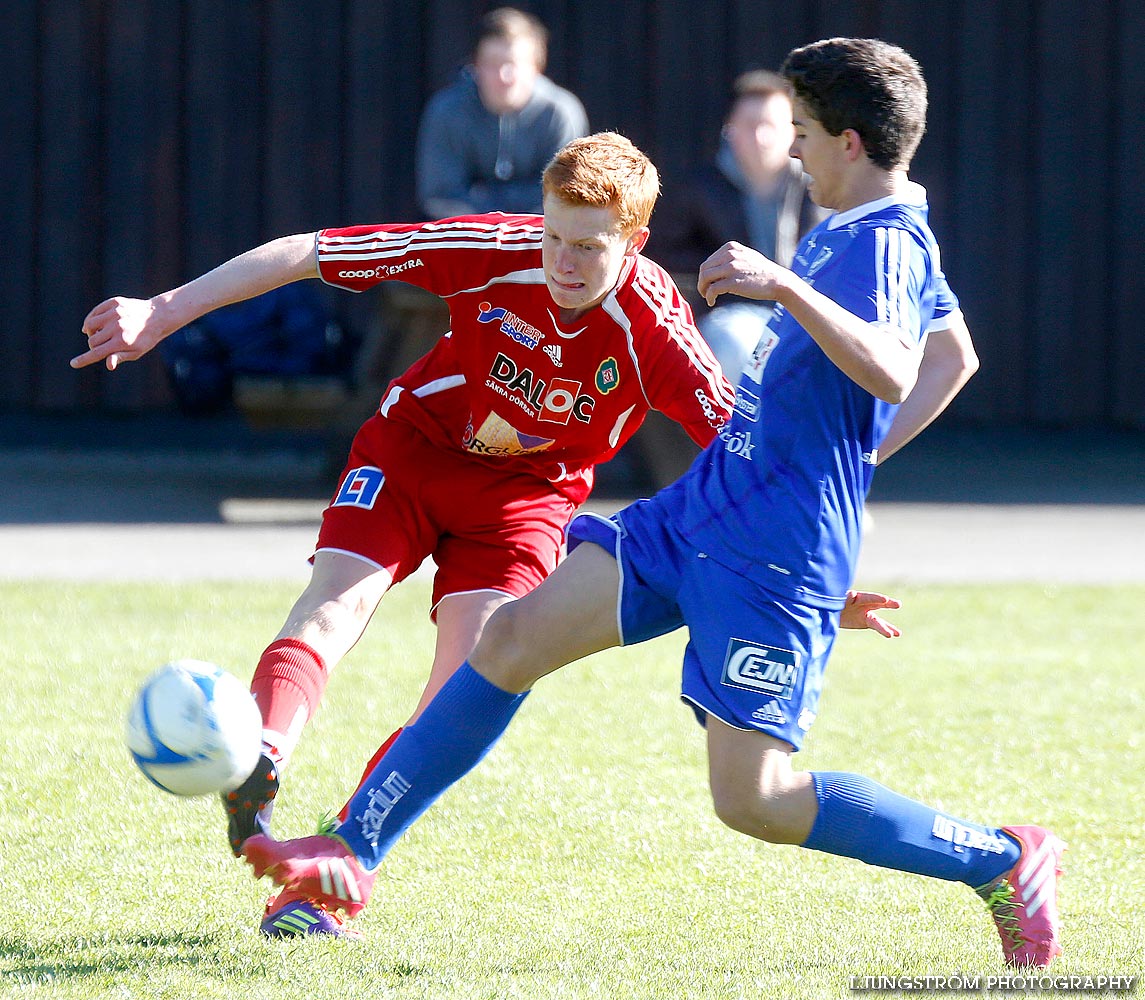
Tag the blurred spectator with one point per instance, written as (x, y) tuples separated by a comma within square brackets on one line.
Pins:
[(752, 192), (485, 139)]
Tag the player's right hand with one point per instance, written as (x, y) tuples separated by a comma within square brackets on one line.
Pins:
[(118, 330), (738, 270)]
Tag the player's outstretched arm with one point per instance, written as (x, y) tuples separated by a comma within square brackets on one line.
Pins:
[(124, 329), (861, 611), (876, 356)]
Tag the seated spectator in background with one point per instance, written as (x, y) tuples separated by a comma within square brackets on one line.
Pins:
[(485, 139), (753, 192)]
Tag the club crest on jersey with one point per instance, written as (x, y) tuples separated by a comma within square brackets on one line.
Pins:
[(819, 262), (755, 667), (608, 375), (360, 488), (553, 402), (511, 324)]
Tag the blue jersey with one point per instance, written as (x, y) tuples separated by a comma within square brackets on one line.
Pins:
[(778, 496)]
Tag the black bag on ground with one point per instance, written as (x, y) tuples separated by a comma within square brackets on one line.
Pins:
[(285, 332)]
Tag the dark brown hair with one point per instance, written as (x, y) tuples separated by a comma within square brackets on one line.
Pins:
[(867, 85)]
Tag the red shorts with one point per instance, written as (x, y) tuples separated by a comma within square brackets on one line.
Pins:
[(401, 498)]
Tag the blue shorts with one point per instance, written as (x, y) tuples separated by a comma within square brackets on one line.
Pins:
[(754, 660)]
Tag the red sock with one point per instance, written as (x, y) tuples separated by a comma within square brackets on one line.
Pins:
[(378, 755), (287, 684)]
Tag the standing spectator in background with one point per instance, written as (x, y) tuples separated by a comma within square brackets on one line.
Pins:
[(485, 139), (754, 193)]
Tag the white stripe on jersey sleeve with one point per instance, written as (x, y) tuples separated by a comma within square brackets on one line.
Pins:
[(892, 265), (904, 247), (473, 229), (382, 245), (944, 321), (670, 315), (439, 385)]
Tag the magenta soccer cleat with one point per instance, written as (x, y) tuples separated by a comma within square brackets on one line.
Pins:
[(320, 868), (1024, 900)]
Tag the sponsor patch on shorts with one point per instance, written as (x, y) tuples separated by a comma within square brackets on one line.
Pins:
[(755, 667)]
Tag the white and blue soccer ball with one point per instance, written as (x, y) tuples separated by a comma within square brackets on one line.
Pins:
[(194, 729)]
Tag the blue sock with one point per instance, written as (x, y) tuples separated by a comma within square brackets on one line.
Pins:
[(859, 818), (457, 728)]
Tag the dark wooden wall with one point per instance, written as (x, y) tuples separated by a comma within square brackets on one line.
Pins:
[(146, 140)]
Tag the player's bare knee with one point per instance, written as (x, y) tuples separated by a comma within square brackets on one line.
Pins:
[(758, 817), (506, 654), (740, 810), (764, 809)]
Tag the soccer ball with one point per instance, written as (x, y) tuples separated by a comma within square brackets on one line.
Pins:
[(194, 729)]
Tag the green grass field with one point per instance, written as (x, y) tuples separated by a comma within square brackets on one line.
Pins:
[(582, 859)]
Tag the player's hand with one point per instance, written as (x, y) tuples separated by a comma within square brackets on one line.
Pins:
[(861, 611), (119, 330), (739, 270)]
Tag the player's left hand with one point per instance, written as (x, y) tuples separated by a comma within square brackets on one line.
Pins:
[(861, 609)]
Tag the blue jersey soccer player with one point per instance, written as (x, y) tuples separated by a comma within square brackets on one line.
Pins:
[(754, 547)]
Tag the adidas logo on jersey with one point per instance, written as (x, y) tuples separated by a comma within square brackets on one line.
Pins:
[(554, 353)]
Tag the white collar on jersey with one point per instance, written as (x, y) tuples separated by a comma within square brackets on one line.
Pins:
[(563, 333), (913, 194)]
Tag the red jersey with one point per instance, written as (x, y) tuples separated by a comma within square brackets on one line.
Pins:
[(510, 382)]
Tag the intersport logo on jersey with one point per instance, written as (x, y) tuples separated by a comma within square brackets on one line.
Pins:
[(511, 324), (553, 402)]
